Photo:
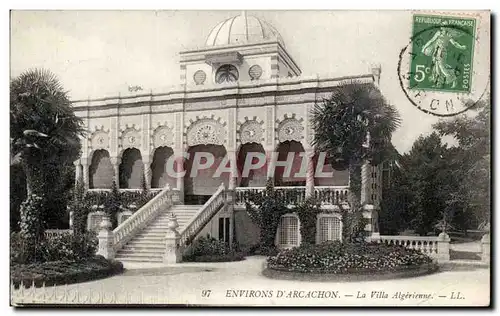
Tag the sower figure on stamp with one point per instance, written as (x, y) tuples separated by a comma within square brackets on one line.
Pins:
[(441, 72)]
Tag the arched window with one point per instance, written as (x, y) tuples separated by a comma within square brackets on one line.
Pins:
[(226, 73), (329, 228), (288, 231)]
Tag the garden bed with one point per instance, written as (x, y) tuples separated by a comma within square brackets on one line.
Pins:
[(63, 272), (236, 256), (348, 261), (353, 276), (209, 249)]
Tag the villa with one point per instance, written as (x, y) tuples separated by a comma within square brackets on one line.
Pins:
[(241, 92)]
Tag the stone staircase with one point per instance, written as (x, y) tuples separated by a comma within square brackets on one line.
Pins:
[(149, 244)]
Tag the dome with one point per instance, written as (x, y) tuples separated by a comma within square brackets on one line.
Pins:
[(242, 29)]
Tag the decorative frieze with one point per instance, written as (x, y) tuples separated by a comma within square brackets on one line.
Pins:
[(99, 139), (290, 128), (251, 131), (163, 135), (206, 130), (130, 137)]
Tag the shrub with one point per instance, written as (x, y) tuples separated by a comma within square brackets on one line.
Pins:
[(209, 246), (112, 201), (337, 257), (63, 272), (66, 247), (265, 210), (113, 204), (209, 249), (308, 213)]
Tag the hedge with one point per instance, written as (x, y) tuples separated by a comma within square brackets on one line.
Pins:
[(63, 272)]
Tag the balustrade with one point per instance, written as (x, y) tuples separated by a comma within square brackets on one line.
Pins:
[(132, 225), (203, 216), (427, 244), (333, 195)]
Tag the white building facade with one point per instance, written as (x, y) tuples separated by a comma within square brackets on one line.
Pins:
[(241, 92)]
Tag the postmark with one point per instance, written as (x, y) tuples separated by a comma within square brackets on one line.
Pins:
[(437, 68)]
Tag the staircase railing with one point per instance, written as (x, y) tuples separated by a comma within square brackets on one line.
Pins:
[(203, 216), (135, 223)]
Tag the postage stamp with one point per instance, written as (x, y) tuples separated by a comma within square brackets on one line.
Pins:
[(438, 68), (262, 158), (442, 53)]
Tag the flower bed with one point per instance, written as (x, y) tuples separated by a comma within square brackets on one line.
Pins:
[(208, 249), (232, 256), (63, 272), (348, 258)]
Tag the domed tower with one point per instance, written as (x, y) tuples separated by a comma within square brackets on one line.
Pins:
[(241, 48)]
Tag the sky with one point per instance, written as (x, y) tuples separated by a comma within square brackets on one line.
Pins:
[(101, 53)]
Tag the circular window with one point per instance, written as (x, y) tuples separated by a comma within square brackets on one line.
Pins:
[(199, 77), (255, 72), (226, 73)]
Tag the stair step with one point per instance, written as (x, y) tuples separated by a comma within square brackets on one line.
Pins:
[(142, 258), (149, 240), (183, 206), (155, 247), (145, 243), (151, 234), (129, 259), (144, 252), (154, 228)]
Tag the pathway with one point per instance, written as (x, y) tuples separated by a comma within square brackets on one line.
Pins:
[(241, 283)]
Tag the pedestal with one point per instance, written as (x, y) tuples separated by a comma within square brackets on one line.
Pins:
[(485, 248), (105, 236), (173, 252), (443, 247)]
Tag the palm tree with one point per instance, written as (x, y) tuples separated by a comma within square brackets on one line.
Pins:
[(354, 124), (44, 137), (43, 127)]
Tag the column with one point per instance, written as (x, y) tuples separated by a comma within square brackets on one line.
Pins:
[(179, 161), (309, 156), (270, 163), (78, 171), (233, 177), (85, 170), (365, 182), (230, 193), (147, 170), (115, 161)]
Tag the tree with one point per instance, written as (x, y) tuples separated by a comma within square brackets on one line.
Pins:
[(44, 128), (471, 199), (44, 137), (343, 122), (428, 181)]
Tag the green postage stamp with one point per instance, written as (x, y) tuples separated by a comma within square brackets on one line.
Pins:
[(442, 53)]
